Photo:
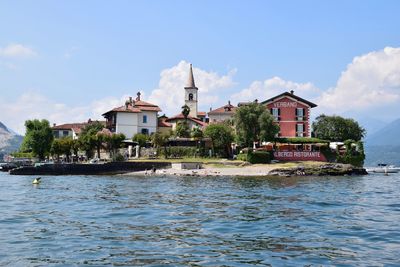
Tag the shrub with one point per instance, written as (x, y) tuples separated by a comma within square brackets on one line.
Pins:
[(259, 157), (179, 152), (354, 153), (118, 157), (242, 156), (330, 155), (255, 157)]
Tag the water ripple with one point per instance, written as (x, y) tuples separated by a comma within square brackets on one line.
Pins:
[(187, 221)]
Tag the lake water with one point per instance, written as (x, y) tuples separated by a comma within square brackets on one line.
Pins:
[(125, 221)]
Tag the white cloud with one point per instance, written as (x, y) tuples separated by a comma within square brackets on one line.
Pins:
[(70, 52), (170, 93), (370, 81), (263, 90), (17, 51), (33, 105)]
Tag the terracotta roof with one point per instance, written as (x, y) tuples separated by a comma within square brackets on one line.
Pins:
[(76, 127), (181, 117), (292, 95), (201, 113), (69, 126), (227, 109), (163, 123), (142, 105), (136, 107)]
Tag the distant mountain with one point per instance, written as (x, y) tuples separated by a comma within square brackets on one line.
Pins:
[(387, 136), (384, 145), (9, 141)]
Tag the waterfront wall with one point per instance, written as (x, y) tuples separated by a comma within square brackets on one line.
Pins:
[(90, 169)]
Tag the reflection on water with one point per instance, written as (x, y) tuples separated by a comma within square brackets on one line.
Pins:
[(125, 221)]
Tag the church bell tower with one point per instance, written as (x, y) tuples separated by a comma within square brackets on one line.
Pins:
[(191, 92)]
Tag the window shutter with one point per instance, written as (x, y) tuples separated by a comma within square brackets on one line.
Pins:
[(279, 111), (271, 111), (304, 114)]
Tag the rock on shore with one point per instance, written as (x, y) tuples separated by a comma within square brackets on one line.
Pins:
[(329, 169)]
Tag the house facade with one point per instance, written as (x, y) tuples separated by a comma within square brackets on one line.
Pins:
[(72, 130), (221, 114), (136, 116), (292, 113)]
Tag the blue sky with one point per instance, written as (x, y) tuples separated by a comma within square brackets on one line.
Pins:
[(79, 53)]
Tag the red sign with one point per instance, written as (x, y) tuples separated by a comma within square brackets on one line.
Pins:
[(299, 155)]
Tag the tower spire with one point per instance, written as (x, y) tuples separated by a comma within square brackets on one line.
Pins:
[(190, 83)]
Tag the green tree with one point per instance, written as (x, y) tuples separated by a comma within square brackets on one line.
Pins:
[(182, 129), (75, 147), (337, 129), (196, 133), (185, 111), (221, 136), (89, 140), (38, 138), (161, 140), (253, 123), (113, 143), (56, 149), (268, 128), (141, 139)]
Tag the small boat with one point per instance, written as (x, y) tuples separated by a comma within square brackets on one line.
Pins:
[(384, 168)]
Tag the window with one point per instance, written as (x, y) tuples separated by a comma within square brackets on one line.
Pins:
[(190, 96), (65, 133), (276, 112), (300, 114), (144, 118), (300, 130), (145, 131)]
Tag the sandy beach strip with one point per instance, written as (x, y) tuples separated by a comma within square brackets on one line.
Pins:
[(253, 170)]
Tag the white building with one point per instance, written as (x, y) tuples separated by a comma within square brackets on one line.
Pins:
[(221, 114), (136, 116), (72, 130)]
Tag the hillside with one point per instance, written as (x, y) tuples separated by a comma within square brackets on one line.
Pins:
[(9, 141), (388, 135), (384, 145)]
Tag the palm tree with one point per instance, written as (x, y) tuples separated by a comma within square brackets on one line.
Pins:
[(185, 111)]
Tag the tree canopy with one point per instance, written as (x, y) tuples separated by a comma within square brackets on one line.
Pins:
[(254, 123), (62, 146), (185, 111), (337, 129), (182, 129), (90, 140), (221, 136), (38, 138), (141, 139)]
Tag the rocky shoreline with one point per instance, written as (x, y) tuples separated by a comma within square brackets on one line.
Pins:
[(329, 169)]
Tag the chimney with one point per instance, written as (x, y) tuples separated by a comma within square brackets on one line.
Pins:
[(210, 108), (89, 120), (130, 100), (229, 102), (138, 96), (256, 101), (126, 104), (54, 125), (292, 92)]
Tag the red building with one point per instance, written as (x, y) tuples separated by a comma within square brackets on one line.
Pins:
[(292, 113)]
